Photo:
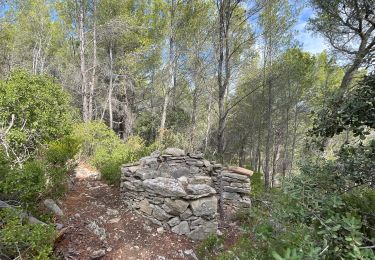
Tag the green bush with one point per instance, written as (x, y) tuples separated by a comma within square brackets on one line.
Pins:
[(106, 151), (40, 109), (209, 247), (34, 241), (59, 152)]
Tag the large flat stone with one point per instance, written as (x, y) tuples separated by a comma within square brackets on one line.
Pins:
[(160, 214), (201, 232), (182, 228), (145, 207), (237, 190), (176, 207), (200, 189), (235, 176), (165, 187), (145, 173), (204, 206), (200, 180), (231, 196)]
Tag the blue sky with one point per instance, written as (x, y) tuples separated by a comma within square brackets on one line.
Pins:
[(311, 42)]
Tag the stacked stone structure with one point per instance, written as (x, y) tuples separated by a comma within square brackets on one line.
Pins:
[(181, 191)]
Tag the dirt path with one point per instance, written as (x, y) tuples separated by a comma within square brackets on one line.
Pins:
[(98, 223)]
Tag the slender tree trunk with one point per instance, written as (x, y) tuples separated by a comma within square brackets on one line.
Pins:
[(268, 138), (285, 158), (294, 137), (224, 71), (110, 85), (171, 63), (93, 75), (82, 41), (194, 118), (208, 127)]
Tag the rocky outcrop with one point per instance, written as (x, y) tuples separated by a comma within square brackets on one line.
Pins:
[(180, 192)]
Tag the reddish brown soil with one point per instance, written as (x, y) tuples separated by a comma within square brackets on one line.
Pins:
[(129, 236)]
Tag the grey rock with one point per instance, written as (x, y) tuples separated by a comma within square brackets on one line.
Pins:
[(174, 151), (146, 173), (148, 160), (160, 230), (174, 221), (231, 196), (183, 180), (200, 180), (204, 206), (128, 186), (196, 155), (235, 176), (165, 187), (97, 254), (203, 231), (206, 163), (179, 172), (191, 253), (145, 207), (182, 228), (240, 185), (176, 206), (200, 189), (160, 214), (52, 206), (186, 214), (59, 226), (100, 232), (197, 222), (237, 190)]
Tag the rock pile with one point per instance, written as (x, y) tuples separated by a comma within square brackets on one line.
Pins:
[(180, 191), (235, 189)]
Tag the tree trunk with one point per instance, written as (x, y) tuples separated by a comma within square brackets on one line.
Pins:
[(171, 63), (208, 127), (268, 139), (285, 158), (294, 138), (81, 29), (110, 85), (93, 75)]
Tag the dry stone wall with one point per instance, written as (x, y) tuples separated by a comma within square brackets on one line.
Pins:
[(182, 192)]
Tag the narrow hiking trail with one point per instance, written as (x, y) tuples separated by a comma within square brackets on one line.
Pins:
[(99, 225)]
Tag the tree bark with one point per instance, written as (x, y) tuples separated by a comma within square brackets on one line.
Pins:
[(94, 64), (110, 111), (81, 29), (294, 137), (171, 63)]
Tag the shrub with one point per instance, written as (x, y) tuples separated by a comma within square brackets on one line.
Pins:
[(104, 150), (40, 109), (209, 246), (34, 241), (59, 152)]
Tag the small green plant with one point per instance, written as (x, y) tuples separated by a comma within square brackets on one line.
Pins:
[(106, 151), (209, 247), (33, 241)]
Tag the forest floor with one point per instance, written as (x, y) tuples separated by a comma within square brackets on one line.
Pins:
[(97, 224)]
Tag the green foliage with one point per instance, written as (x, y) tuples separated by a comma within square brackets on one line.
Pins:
[(174, 139), (311, 218), (209, 247), (40, 109), (257, 184), (106, 151), (59, 152), (35, 241), (40, 177), (355, 112)]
